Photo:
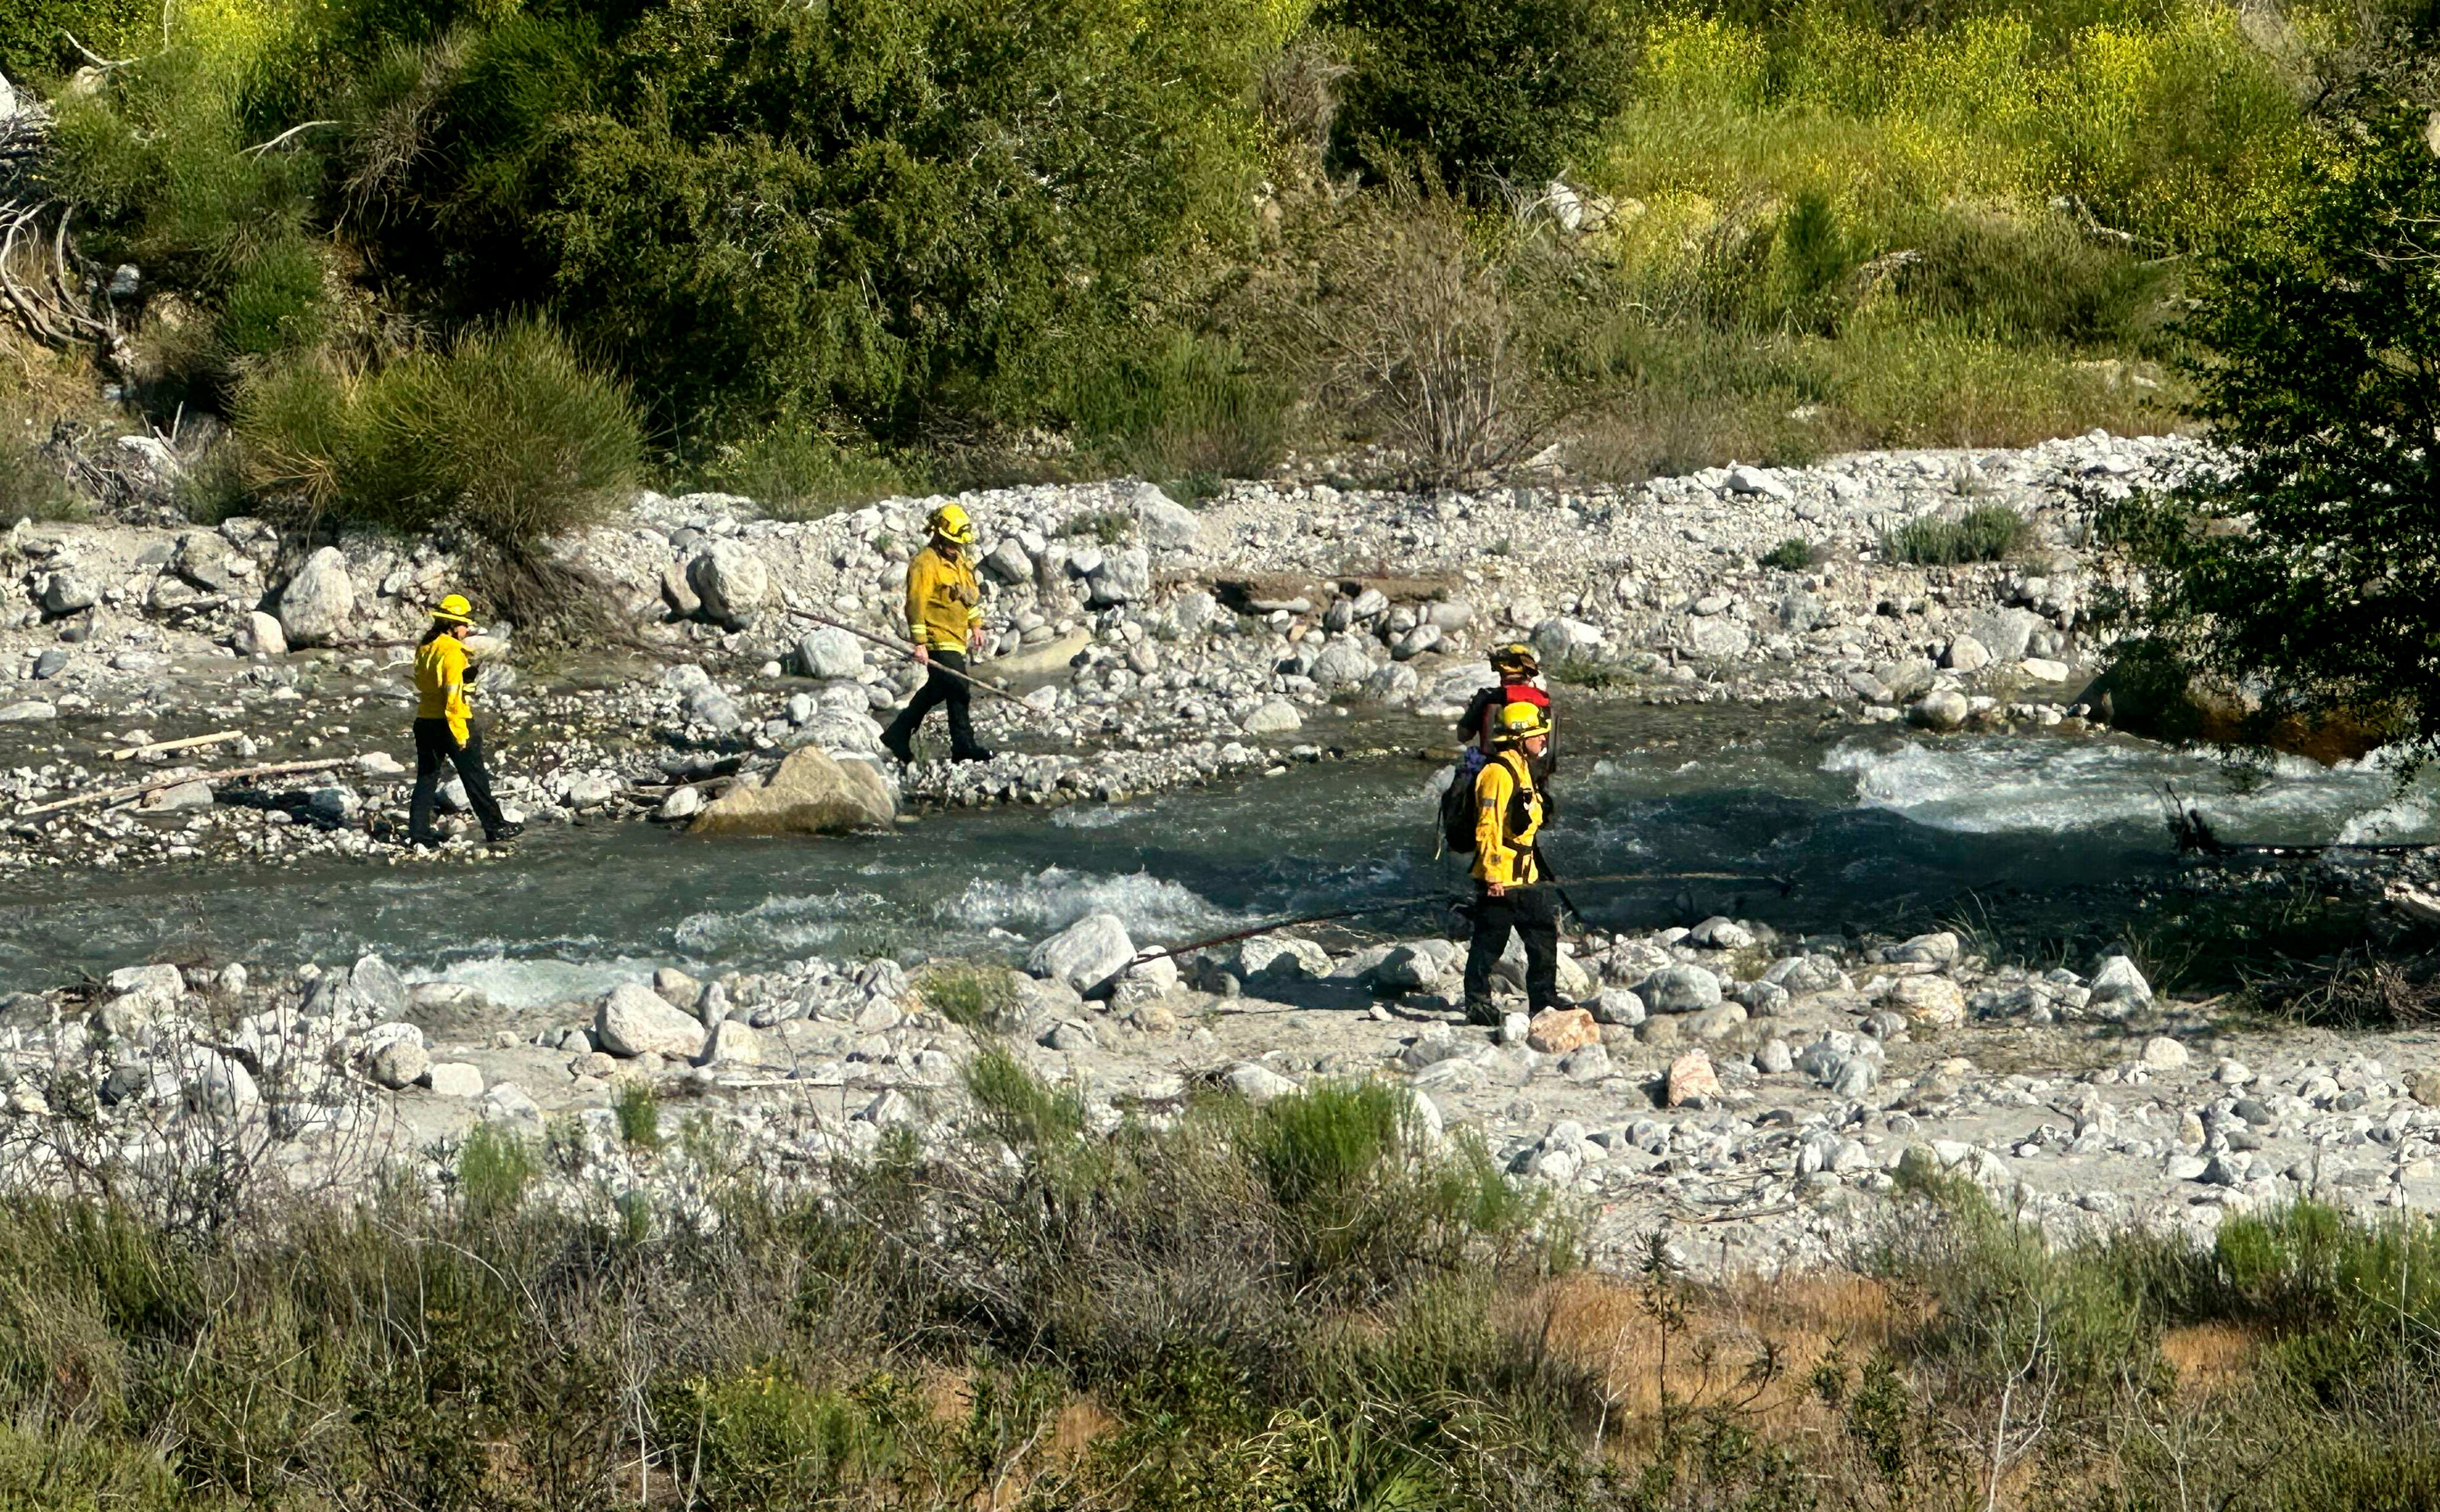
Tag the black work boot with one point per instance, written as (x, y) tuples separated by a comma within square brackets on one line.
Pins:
[(974, 753), (1481, 1011)]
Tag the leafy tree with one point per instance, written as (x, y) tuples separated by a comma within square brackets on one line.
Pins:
[(879, 209), (2305, 565), (1480, 93)]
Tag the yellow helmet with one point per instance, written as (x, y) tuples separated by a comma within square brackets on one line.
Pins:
[(1521, 721), (455, 610), (1516, 659), (949, 522)]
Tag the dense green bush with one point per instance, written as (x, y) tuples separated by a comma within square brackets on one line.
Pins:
[(2299, 566), (33, 45), (878, 212), (506, 434), (2044, 281), (1794, 554), (1482, 96)]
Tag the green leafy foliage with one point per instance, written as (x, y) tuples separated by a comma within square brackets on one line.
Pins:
[(1794, 554), (506, 434), (493, 1169), (796, 470), (2300, 565), (978, 996), (934, 190), (33, 45), (637, 1108), (1179, 407), (1481, 96), (1988, 532)]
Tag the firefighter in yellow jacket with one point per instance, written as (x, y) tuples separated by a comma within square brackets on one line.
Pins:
[(1507, 874), (944, 619), (445, 726)]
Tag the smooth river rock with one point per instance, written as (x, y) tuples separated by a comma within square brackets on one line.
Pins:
[(812, 793)]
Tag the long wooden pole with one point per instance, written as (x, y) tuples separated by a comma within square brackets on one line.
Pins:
[(188, 743), (906, 650), (138, 789)]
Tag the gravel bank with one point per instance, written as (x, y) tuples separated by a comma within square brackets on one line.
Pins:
[(1177, 645), (1754, 1097)]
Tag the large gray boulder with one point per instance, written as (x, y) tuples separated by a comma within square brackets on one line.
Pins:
[(731, 582), (1087, 956), (2005, 633), (1395, 683), (634, 1021), (262, 636), (1680, 989), (1123, 577), (1342, 663), (2119, 985), (830, 652), (1716, 635), (1167, 523), (812, 793), (378, 987), (65, 593), (318, 602), (1943, 709), (1009, 563)]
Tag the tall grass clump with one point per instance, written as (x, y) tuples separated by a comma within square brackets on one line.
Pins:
[(506, 434), (1180, 409), (1988, 532), (795, 470), (975, 995)]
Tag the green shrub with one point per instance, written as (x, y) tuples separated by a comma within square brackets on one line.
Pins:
[(2282, 571), (795, 471), (493, 1169), (1481, 96), (36, 489), (1016, 1108), (273, 302), (1104, 527), (978, 996), (506, 434), (1179, 407), (1003, 175), (2042, 280), (1987, 532), (637, 1108), (1794, 554), (33, 51)]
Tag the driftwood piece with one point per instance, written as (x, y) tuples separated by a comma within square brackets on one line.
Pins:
[(109, 795)]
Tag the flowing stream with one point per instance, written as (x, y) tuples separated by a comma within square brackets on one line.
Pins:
[(1880, 829)]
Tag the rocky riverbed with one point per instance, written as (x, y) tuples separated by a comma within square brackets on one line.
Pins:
[(1162, 645), (1753, 1097)]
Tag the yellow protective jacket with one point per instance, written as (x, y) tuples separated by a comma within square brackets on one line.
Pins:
[(944, 602), (441, 684), (1507, 817)]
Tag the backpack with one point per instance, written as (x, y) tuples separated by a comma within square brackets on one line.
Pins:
[(1457, 803)]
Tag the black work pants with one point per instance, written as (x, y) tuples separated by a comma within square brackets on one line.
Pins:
[(940, 688), (1530, 912), (434, 747)]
